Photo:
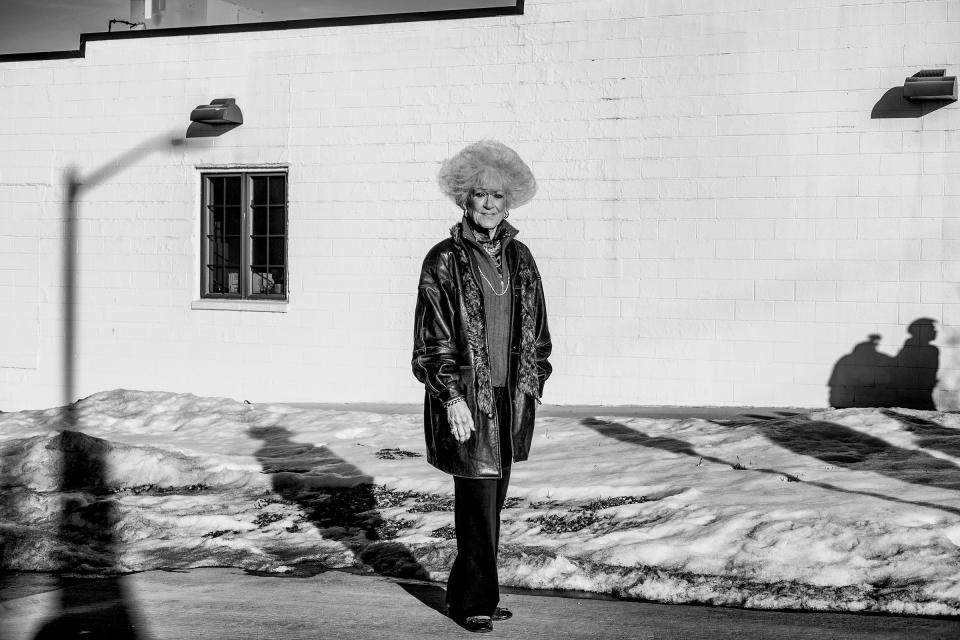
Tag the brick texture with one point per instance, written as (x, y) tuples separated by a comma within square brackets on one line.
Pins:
[(719, 219)]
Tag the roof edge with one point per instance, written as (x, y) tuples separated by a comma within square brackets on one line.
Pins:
[(280, 25)]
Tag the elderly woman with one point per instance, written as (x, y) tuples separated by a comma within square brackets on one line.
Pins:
[(481, 345)]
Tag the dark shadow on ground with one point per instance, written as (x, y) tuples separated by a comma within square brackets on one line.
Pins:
[(865, 377), (624, 433), (785, 432), (432, 595), (338, 497), (753, 418), (845, 447), (94, 609), (8, 578), (930, 435)]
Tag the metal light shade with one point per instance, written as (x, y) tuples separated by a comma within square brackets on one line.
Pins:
[(219, 111), (930, 84)]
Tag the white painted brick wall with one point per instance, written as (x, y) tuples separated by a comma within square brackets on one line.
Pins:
[(719, 218)]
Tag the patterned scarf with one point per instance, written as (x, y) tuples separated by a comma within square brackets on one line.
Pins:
[(492, 247), (529, 279)]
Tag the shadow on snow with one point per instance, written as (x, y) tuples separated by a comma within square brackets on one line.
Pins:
[(88, 608), (338, 498), (832, 443)]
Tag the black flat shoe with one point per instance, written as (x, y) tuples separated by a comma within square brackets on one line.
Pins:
[(501, 613), (477, 624)]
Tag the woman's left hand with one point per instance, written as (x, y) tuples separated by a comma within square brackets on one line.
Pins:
[(460, 421)]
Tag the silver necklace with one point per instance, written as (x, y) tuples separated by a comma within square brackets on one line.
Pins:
[(503, 285)]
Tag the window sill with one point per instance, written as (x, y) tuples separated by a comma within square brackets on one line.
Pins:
[(268, 306)]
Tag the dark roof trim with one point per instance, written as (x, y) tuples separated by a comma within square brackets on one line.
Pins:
[(314, 23), (45, 55)]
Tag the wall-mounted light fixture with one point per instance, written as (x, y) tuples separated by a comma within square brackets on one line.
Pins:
[(219, 111), (930, 84)]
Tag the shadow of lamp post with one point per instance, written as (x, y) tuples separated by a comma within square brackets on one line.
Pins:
[(87, 515)]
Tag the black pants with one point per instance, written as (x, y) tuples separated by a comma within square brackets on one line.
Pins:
[(473, 587)]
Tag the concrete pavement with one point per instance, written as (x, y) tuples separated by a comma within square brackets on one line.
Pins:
[(223, 603)]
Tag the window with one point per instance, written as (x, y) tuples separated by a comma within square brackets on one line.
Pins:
[(244, 253)]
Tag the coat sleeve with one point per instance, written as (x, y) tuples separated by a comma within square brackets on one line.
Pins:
[(543, 344), (436, 361)]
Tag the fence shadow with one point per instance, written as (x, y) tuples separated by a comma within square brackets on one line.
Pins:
[(624, 433), (801, 435), (930, 435), (849, 448)]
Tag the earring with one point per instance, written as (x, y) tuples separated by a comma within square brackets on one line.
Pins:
[(506, 214)]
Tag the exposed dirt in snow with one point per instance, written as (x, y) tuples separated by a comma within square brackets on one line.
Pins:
[(856, 509)]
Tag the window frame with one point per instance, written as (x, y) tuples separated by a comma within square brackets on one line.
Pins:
[(246, 175)]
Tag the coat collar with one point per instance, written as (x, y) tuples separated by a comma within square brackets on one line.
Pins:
[(462, 231)]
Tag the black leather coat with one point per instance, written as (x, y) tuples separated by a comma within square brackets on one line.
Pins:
[(450, 356)]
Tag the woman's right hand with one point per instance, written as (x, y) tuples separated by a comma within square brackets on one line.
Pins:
[(460, 420)]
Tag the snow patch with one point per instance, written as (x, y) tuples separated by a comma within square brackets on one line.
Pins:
[(854, 510)]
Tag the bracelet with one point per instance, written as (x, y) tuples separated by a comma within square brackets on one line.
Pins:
[(450, 403)]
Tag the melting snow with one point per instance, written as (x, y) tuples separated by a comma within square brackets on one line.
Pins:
[(854, 509)]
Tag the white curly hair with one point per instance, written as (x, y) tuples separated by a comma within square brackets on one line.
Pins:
[(462, 173)]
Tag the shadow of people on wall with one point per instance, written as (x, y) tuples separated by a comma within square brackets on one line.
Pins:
[(862, 377), (815, 442), (865, 377), (94, 608), (917, 365), (338, 498)]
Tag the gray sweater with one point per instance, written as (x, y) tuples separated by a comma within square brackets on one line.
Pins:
[(496, 308)]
